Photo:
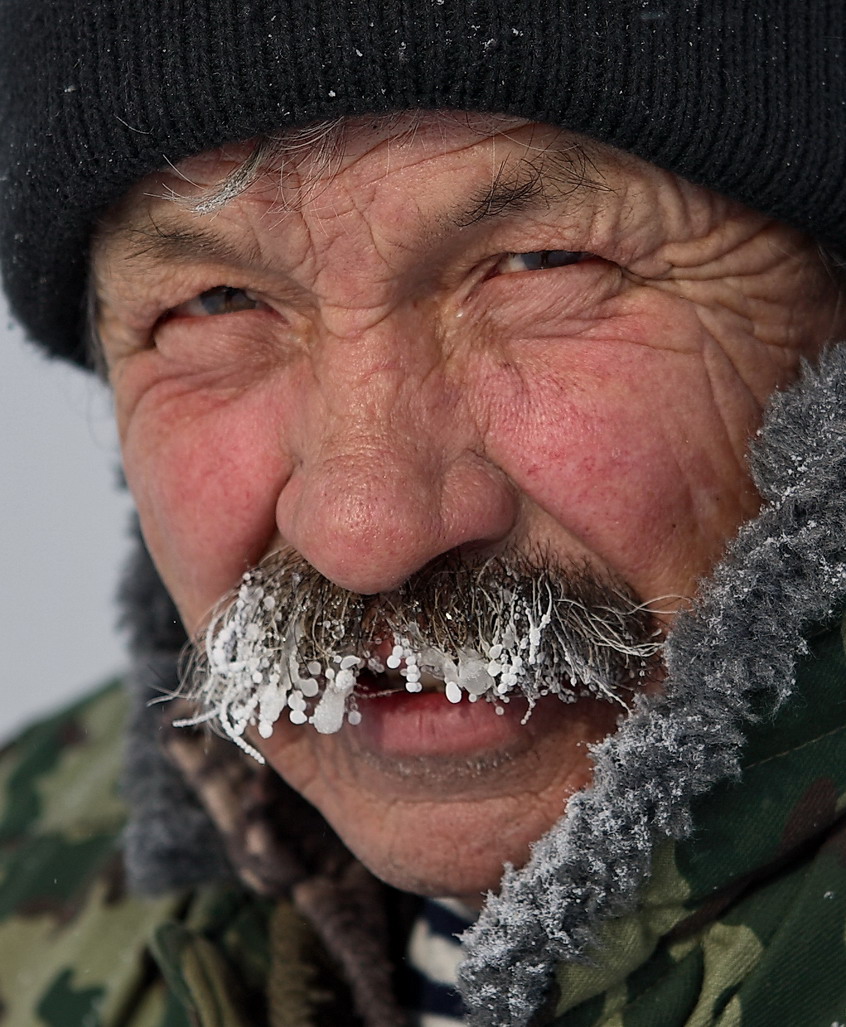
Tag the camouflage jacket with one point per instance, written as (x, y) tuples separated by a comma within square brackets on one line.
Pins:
[(742, 925)]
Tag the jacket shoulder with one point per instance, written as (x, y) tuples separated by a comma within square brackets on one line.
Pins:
[(72, 941), (60, 775)]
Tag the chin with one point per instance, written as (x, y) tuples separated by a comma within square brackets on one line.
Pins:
[(443, 855), (469, 885), (440, 813)]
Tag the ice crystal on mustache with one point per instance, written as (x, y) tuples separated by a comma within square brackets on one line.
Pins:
[(289, 639)]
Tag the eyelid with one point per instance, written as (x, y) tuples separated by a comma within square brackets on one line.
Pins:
[(227, 298), (538, 260), (220, 300)]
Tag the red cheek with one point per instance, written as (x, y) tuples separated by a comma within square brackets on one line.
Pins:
[(206, 479), (606, 435)]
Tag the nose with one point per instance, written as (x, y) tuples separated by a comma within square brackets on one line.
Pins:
[(390, 474)]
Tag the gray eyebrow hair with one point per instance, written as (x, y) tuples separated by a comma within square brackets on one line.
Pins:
[(550, 177)]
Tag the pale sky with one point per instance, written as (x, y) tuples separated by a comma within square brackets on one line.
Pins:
[(64, 533)]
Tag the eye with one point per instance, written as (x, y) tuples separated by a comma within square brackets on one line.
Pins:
[(538, 260), (222, 299)]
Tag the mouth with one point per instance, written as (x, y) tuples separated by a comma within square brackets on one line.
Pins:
[(395, 729), (371, 685), (415, 700), (396, 668)]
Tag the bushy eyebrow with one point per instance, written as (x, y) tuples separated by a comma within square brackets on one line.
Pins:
[(541, 181), (160, 241)]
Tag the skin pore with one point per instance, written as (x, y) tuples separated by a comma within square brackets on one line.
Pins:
[(456, 333)]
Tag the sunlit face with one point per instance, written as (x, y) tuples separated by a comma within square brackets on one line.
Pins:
[(458, 334)]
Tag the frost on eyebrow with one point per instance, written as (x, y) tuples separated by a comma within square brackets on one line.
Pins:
[(322, 142), (545, 175)]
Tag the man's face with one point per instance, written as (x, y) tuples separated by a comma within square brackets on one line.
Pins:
[(453, 335)]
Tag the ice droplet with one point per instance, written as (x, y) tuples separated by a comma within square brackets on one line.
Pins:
[(329, 713)]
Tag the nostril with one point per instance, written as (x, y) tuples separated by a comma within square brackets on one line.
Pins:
[(369, 525)]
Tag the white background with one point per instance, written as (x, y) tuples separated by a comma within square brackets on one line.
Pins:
[(64, 524)]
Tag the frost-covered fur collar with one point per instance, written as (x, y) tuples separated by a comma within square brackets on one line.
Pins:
[(735, 652)]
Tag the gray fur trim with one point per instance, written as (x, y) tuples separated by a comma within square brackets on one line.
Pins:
[(733, 654), (169, 842)]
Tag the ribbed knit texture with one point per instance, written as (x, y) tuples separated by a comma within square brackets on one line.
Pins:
[(745, 96)]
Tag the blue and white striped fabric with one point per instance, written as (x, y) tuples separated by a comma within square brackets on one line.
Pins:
[(432, 960)]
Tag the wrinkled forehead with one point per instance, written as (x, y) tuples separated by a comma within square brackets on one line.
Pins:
[(348, 139), (376, 145)]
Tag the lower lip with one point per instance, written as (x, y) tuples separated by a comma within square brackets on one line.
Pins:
[(428, 724)]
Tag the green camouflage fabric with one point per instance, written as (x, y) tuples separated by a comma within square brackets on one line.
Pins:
[(744, 925), (76, 950)]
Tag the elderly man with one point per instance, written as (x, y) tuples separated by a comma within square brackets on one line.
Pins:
[(438, 334)]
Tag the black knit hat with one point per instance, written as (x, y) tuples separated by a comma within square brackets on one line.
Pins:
[(745, 96)]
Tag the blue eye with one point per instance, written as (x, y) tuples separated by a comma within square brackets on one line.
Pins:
[(538, 260), (223, 299)]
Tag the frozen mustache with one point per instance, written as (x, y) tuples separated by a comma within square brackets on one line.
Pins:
[(289, 640)]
